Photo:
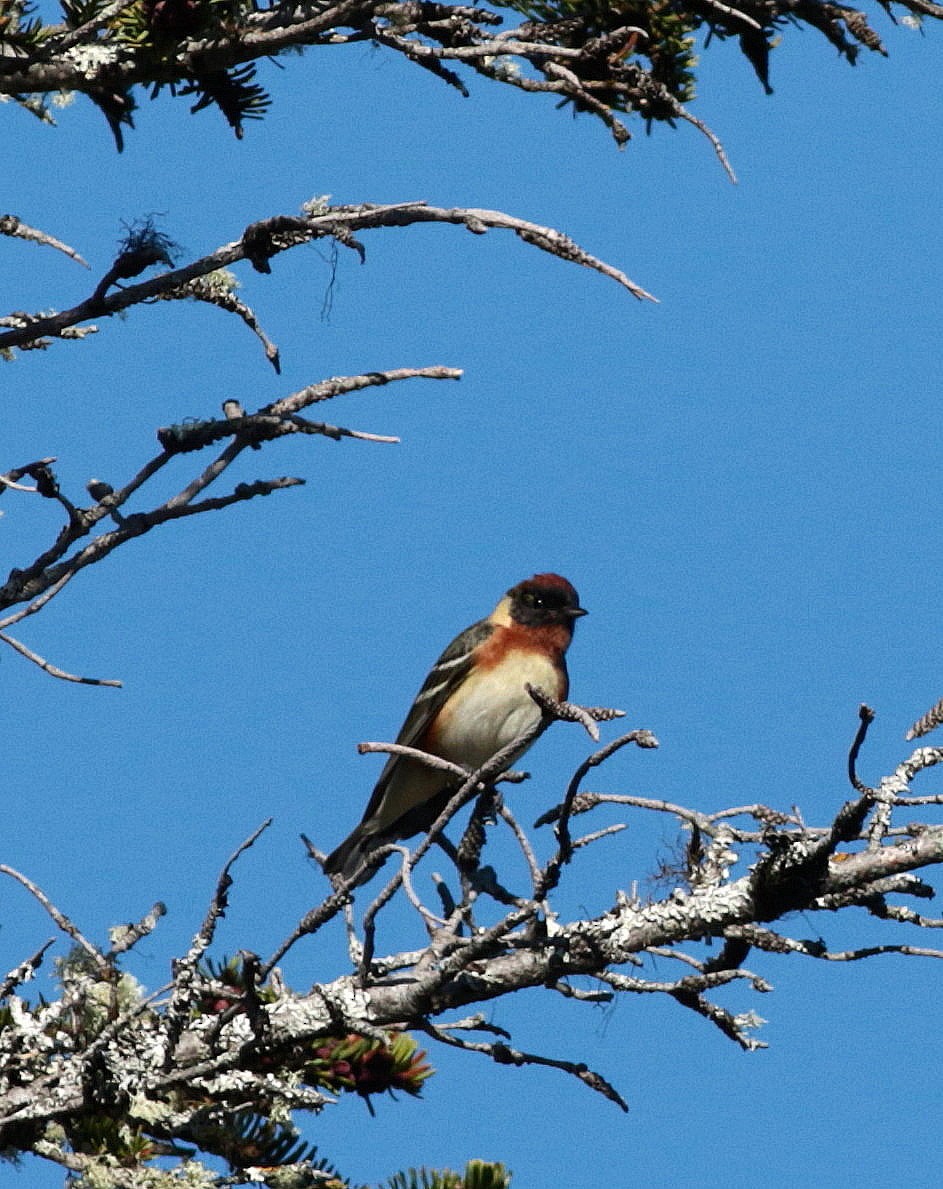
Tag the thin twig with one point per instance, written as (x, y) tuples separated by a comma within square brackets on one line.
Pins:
[(11, 225), (223, 297), (641, 738), (413, 753), (53, 670), (185, 968), (123, 937), (871, 951), (310, 923), (736, 1027), (929, 722), (431, 920), (40, 601), (25, 970), (523, 842), (588, 839), (66, 925), (588, 716), (503, 1054), (715, 141), (220, 902), (866, 718)]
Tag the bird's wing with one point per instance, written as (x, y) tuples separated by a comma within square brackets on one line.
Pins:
[(446, 675)]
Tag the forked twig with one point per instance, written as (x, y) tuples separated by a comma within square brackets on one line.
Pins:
[(504, 1054)]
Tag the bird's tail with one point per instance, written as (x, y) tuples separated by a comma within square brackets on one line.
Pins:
[(351, 860)]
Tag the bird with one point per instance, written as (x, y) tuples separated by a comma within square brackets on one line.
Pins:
[(473, 702)]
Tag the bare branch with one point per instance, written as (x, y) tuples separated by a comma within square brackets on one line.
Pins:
[(561, 814), (570, 712), (218, 289), (101, 962), (227, 1045), (11, 225), (220, 901), (185, 985), (927, 723), (51, 669), (124, 937), (737, 1027), (870, 951), (503, 1054), (866, 717), (25, 971), (413, 753), (39, 582), (264, 240), (605, 832), (683, 114), (431, 920), (523, 842)]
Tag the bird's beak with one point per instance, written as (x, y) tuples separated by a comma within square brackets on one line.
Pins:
[(576, 612)]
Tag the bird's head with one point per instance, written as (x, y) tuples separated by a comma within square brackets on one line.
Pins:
[(542, 600)]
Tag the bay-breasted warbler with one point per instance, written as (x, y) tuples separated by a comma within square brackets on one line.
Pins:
[(473, 703)]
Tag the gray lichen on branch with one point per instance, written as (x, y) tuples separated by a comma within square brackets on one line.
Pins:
[(227, 1035), (259, 244)]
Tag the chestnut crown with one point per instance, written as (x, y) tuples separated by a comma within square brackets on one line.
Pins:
[(544, 599)]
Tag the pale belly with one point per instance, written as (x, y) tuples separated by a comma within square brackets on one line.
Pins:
[(490, 710), (494, 708)]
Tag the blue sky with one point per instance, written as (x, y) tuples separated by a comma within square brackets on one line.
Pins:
[(742, 482)]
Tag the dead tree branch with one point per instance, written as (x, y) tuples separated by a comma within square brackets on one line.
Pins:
[(84, 539), (11, 225), (610, 63), (262, 241), (227, 1036)]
